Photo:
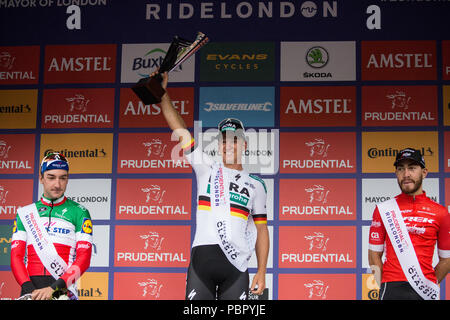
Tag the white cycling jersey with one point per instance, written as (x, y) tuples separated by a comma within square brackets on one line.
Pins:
[(247, 194)]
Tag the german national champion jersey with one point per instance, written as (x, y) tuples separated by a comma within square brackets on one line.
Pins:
[(427, 222), (69, 227), (247, 197)]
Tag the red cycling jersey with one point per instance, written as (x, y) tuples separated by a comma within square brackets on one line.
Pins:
[(427, 222)]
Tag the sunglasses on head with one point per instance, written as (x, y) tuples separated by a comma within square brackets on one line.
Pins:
[(54, 156)]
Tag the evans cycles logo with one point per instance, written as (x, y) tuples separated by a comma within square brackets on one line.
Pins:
[(237, 61)]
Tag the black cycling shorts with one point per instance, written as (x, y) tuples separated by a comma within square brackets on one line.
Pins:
[(211, 276), (398, 290)]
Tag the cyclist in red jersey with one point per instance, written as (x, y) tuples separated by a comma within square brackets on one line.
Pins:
[(69, 229), (427, 222)]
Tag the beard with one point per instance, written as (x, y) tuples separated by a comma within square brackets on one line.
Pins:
[(412, 186)]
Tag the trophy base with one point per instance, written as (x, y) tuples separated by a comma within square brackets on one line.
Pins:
[(149, 90)]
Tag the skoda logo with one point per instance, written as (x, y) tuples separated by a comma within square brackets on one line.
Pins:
[(317, 57)]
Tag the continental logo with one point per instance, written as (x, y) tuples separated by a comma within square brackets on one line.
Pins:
[(82, 153), (86, 152), (379, 149), (374, 153), (93, 286), (18, 109)]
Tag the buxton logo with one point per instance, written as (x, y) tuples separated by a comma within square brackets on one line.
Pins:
[(151, 60), (398, 60), (80, 63)]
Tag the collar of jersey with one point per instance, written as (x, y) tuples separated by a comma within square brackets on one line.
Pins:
[(56, 202), (407, 197)]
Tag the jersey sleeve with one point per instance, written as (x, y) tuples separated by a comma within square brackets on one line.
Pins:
[(200, 161), (444, 236), (18, 250), (83, 249), (377, 233), (259, 209)]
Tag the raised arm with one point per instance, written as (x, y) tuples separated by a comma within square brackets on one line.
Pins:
[(173, 118)]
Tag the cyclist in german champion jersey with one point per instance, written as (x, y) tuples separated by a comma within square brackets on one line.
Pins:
[(407, 271), (231, 217), (54, 233)]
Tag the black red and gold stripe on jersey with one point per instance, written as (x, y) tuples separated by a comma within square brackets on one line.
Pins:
[(204, 203)]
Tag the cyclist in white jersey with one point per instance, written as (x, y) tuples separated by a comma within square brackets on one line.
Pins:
[(231, 217)]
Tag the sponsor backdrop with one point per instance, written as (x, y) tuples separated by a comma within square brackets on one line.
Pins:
[(329, 92)]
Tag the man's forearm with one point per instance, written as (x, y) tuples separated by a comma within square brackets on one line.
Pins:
[(442, 269), (262, 248)]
